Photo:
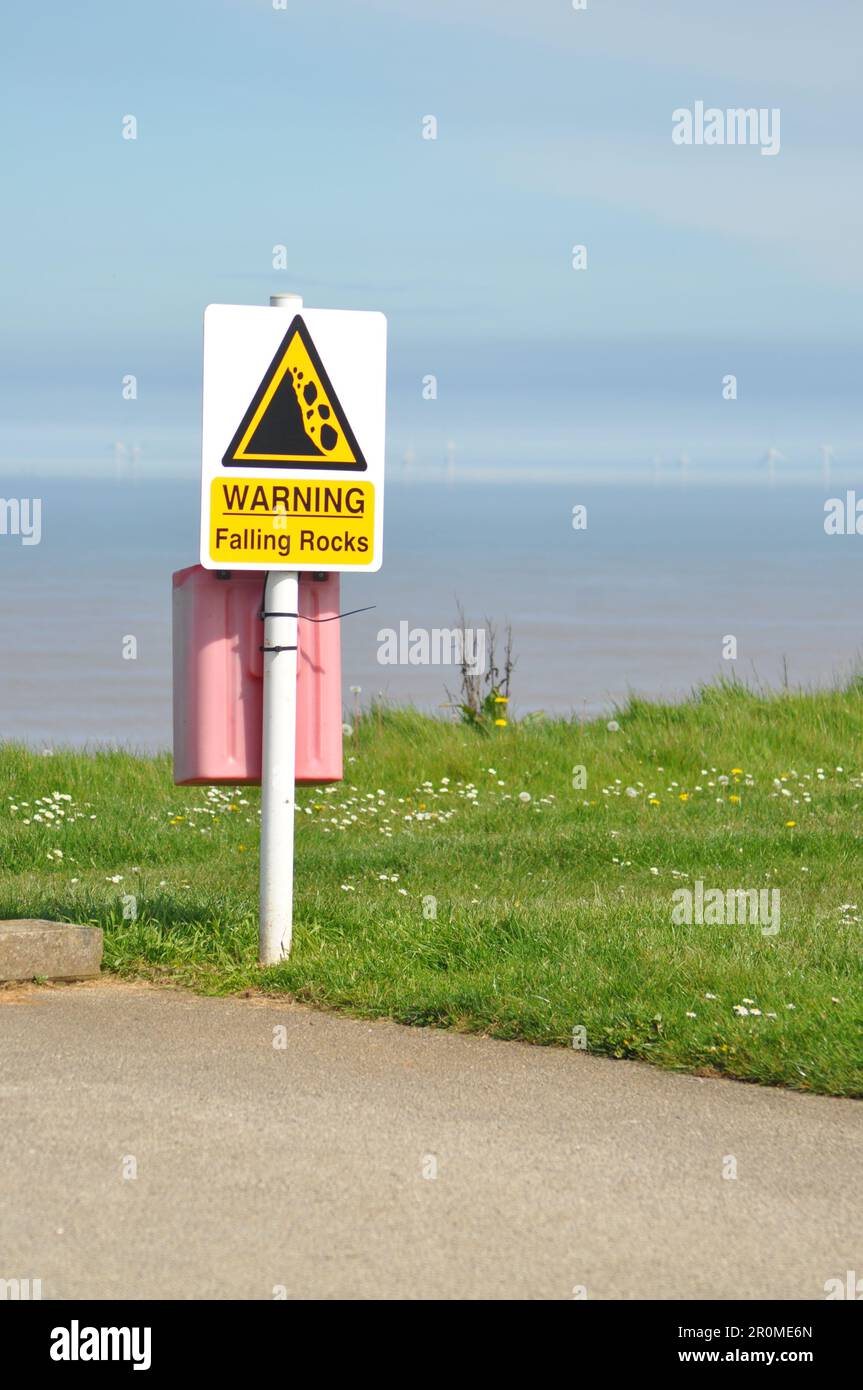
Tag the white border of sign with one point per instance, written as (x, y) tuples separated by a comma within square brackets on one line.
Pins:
[(240, 341)]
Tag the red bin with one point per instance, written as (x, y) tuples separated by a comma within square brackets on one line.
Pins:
[(218, 677)]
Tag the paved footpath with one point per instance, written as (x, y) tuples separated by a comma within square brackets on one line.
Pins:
[(309, 1167)]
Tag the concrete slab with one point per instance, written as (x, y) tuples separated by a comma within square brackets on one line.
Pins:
[(31, 947)]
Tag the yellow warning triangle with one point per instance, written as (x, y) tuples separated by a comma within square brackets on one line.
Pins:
[(294, 419)]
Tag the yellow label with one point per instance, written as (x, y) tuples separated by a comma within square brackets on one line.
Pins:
[(271, 522)]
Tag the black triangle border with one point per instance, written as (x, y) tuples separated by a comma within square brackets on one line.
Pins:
[(312, 464)]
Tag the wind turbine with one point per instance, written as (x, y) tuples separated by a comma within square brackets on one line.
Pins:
[(450, 461), (828, 453), (771, 458)]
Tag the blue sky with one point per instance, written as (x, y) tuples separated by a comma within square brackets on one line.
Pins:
[(302, 127)]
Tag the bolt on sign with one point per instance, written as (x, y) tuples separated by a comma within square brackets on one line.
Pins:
[(293, 439)]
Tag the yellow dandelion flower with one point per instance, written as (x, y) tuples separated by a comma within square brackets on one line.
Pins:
[(501, 699), (653, 801), (734, 797), (501, 723), (737, 772), (790, 824), (683, 796)]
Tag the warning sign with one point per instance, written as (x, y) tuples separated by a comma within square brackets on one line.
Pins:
[(255, 521), (295, 417), (293, 438)]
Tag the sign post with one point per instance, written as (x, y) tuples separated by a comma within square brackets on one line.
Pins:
[(291, 481), (281, 639), (277, 775)]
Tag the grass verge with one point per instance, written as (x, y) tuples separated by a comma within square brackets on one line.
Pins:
[(470, 881)]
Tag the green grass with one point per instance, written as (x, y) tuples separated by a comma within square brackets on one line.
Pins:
[(418, 901)]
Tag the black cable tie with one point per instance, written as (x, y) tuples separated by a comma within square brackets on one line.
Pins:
[(277, 649)]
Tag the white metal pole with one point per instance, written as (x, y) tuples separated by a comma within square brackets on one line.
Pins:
[(281, 603)]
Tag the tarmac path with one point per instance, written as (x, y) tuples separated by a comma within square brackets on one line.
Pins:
[(158, 1144)]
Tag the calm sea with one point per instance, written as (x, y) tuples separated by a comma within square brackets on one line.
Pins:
[(638, 601)]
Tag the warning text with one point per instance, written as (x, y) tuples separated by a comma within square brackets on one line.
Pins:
[(271, 523)]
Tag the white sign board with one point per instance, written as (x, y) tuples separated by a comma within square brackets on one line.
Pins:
[(292, 473)]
